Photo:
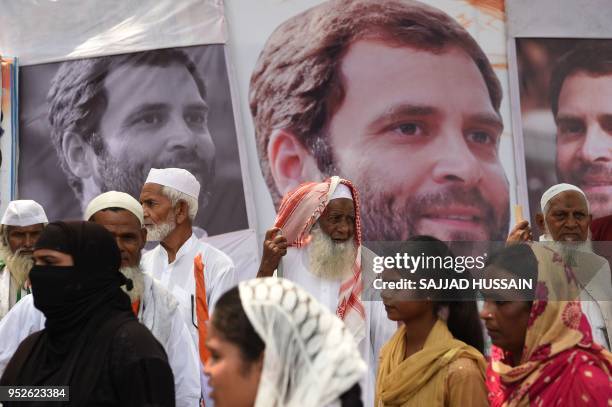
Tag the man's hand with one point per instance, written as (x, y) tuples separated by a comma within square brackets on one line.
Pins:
[(274, 248), (520, 233)]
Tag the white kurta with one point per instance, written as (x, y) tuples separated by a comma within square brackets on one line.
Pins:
[(593, 273), (158, 311), (178, 278), (378, 329), (8, 291)]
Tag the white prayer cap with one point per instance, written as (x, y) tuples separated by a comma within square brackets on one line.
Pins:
[(114, 199), (341, 191), (24, 212), (177, 178), (555, 190)]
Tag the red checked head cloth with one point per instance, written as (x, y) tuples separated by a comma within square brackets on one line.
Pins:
[(299, 211)]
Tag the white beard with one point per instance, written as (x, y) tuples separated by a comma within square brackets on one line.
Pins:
[(568, 250), (137, 276), (157, 233), (17, 263), (330, 260)]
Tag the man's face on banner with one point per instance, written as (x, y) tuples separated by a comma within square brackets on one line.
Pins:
[(584, 138), (155, 117), (418, 135)]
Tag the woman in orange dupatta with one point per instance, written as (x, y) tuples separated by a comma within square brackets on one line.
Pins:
[(543, 353)]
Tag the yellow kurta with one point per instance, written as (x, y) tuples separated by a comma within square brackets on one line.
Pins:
[(446, 372)]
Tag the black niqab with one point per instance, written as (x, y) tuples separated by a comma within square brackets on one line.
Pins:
[(70, 297), (84, 306)]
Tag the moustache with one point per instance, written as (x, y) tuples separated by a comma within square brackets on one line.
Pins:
[(455, 195), (24, 252), (591, 173)]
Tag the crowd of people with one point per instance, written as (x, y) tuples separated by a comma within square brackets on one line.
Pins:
[(84, 308)]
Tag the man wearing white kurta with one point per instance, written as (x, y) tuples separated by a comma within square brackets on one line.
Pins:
[(156, 308), (565, 220), (195, 272), (20, 227), (317, 235)]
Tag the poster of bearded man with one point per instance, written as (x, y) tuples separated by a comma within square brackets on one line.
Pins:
[(98, 124)]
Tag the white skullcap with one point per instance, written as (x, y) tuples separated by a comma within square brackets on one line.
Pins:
[(114, 199), (555, 190), (341, 191), (177, 178), (24, 212)]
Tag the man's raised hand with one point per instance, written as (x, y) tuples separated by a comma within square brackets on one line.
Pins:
[(520, 233), (274, 248)]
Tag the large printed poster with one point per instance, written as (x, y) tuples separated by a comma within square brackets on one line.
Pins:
[(566, 115), (99, 124), (405, 99)]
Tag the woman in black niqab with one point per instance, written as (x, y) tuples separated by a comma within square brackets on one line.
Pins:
[(92, 341)]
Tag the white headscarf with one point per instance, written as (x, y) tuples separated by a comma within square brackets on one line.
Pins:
[(310, 358)]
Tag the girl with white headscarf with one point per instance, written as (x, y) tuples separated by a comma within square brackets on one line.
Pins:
[(272, 344)]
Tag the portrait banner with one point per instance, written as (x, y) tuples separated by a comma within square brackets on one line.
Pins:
[(415, 115), (565, 89), (98, 124)]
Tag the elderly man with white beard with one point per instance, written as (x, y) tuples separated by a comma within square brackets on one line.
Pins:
[(194, 271), (317, 235), (20, 227), (565, 221), (154, 306)]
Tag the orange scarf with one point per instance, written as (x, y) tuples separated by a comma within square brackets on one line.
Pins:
[(201, 307)]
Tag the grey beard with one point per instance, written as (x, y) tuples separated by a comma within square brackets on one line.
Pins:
[(330, 260), (18, 264), (135, 274), (568, 250), (157, 233)]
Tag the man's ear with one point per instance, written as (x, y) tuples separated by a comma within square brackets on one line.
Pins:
[(540, 222), (78, 154), (290, 162), (181, 212)]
